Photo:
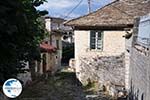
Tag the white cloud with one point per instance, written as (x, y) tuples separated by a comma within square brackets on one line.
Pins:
[(60, 8), (71, 16), (58, 4)]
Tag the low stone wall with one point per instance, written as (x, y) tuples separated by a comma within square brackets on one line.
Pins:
[(72, 63), (103, 69)]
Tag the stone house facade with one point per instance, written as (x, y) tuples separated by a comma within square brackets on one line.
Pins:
[(55, 28), (48, 60), (100, 49), (51, 48), (101, 64), (139, 71), (57, 31)]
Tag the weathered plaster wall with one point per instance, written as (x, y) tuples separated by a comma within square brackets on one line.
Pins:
[(113, 43), (139, 76), (51, 60), (128, 46), (97, 64), (59, 51), (50, 64), (53, 24), (48, 24)]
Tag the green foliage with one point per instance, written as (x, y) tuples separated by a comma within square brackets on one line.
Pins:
[(21, 31)]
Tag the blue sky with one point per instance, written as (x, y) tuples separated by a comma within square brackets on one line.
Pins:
[(61, 8)]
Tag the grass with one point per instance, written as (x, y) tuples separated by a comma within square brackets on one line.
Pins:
[(91, 88)]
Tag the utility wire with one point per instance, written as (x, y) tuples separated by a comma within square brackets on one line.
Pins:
[(73, 9)]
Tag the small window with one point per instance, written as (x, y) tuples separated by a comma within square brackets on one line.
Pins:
[(96, 40)]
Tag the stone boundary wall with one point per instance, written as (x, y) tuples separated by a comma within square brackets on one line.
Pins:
[(102, 69)]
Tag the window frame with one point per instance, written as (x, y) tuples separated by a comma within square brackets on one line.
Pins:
[(96, 40)]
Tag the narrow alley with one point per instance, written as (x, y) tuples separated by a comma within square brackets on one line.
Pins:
[(63, 86)]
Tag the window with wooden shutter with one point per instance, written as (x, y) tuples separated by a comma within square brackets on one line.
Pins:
[(96, 40)]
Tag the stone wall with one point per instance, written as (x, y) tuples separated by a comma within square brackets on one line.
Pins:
[(113, 45), (72, 63), (106, 65), (139, 76), (102, 69), (59, 50), (139, 71)]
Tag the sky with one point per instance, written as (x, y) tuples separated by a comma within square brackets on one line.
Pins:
[(61, 8)]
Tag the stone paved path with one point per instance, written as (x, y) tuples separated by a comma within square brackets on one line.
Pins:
[(62, 86)]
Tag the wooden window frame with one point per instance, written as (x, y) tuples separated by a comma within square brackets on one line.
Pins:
[(96, 40)]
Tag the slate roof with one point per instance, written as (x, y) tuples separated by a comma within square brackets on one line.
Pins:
[(120, 13)]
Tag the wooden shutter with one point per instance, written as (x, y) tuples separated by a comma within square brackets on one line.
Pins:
[(92, 40), (99, 40)]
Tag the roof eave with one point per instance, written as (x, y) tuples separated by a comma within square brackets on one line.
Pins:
[(113, 27)]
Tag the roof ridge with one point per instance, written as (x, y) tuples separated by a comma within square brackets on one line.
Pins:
[(53, 17)]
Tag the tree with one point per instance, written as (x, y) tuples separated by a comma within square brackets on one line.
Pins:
[(21, 31)]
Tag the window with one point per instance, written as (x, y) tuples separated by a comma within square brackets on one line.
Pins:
[(96, 40), (144, 31)]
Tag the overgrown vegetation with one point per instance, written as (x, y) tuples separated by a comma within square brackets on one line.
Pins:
[(21, 31)]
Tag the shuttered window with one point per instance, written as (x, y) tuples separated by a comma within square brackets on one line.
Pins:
[(96, 40)]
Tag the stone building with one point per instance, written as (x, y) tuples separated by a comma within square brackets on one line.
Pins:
[(139, 71), (48, 60), (54, 26), (100, 53), (46, 64), (57, 30), (51, 51)]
